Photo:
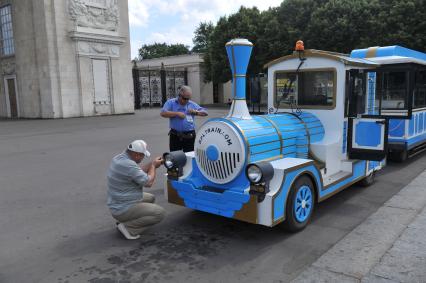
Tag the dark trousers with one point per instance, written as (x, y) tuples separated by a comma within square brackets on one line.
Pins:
[(181, 141)]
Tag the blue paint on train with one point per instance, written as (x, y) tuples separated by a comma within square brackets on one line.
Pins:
[(199, 193), (266, 137), (411, 127), (396, 127), (373, 164), (281, 198), (212, 152), (414, 141), (278, 135), (371, 100), (239, 56), (345, 135), (416, 131), (358, 173), (394, 50), (368, 133), (279, 204)]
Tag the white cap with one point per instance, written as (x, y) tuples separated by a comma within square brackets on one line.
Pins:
[(139, 146)]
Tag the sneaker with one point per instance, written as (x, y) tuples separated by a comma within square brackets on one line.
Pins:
[(126, 234)]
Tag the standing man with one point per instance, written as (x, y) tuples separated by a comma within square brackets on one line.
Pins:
[(181, 112), (129, 205)]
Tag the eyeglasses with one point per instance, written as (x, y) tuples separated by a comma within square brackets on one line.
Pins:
[(184, 98)]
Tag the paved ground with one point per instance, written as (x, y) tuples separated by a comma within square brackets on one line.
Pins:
[(389, 246), (56, 227)]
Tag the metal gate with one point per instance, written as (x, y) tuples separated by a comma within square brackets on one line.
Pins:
[(154, 87), (174, 80), (258, 93)]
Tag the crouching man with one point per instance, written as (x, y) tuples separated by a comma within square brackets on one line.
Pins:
[(130, 206)]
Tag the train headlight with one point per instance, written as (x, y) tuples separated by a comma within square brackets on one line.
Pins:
[(259, 175), (168, 161), (254, 174), (259, 172), (174, 162)]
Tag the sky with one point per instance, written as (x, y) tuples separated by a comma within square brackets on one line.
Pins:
[(174, 21)]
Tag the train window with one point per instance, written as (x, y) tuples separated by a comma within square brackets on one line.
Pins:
[(392, 88), (419, 100), (355, 93), (306, 89)]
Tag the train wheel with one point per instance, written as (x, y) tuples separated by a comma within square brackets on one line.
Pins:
[(300, 204), (368, 180)]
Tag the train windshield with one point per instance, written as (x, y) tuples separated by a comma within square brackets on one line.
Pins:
[(392, 87), (305, 89), (419, 100), (389, 91)]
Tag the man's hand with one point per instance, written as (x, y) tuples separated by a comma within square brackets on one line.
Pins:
[(172, 114), (157, 161), (193, 112), (180, 115), (197, 113)]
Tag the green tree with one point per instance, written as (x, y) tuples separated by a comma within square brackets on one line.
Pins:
[(201, 37), (149, 51), (293, 18), (401, 23), (341, 25), (332, 25), (272, 38), (243, 24)]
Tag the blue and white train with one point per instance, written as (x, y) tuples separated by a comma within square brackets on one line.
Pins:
[(327, 128), (399, 85)]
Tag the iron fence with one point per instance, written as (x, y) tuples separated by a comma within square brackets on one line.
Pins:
[(152, 87)]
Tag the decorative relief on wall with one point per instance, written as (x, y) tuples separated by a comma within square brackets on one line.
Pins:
[(97, 14), (97, 48), (8, 68)]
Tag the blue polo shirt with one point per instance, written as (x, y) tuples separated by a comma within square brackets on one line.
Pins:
[(176, 123)]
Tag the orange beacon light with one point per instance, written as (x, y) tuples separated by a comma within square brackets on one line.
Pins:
[(299, 46)]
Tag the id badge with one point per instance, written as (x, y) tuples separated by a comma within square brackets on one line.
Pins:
[(189, 119)]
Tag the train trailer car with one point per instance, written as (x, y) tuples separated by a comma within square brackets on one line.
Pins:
[(399, 84), (317, 140)]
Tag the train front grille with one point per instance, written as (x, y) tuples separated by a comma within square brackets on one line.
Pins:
[(225, 167)]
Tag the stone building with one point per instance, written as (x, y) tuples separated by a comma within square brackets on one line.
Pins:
[(177, 70), (64, 58)]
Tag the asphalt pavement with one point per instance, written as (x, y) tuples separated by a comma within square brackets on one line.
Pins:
[(57, 228), (389, 246)]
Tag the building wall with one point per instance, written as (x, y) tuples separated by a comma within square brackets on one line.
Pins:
[(206, 92), (194, 83), (24, 63), (58, 45), (202, 93), (225, 92), (172, 61), (206, 89), (93, 45)]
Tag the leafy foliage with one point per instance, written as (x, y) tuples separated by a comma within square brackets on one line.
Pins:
[(201, 37), (149, 51), (333, 25), (243, 24)]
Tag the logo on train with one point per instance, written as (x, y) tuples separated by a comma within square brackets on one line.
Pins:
[(216, 130)]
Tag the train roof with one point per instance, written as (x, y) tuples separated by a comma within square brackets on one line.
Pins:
[(344, 58), (390, 55)]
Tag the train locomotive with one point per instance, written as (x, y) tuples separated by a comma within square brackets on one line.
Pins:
[(319, 137)]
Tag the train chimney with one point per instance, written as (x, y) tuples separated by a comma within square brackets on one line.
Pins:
[(239, 51)]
